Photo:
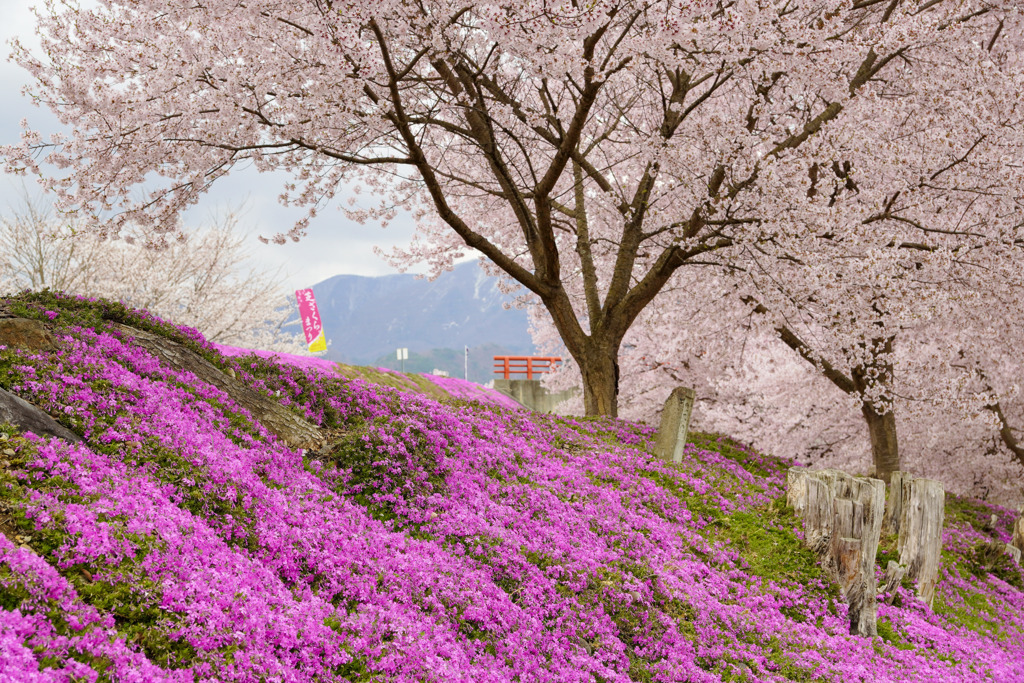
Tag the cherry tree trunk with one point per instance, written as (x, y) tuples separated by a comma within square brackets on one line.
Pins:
[(885, 452), (599, 367)]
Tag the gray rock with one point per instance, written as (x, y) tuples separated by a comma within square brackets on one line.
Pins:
[(29, 418)]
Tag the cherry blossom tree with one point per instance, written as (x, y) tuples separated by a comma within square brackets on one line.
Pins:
[(588, 150), (202, 280), (32, 258), (782, 405), (951, 361)]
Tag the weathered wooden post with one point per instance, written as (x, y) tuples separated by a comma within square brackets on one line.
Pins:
[(813, 500), (1014, 553), (1018, 534), (915, 509), (860, 503), (920, 539), (675, 424), (893, 505), (842, 517)]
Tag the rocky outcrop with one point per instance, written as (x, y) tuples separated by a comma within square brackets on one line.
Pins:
[(22, 333), (291, 428), (29, 418)]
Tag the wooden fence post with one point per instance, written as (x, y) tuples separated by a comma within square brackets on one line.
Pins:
[(916, 509), (842, 517), (893, 505)]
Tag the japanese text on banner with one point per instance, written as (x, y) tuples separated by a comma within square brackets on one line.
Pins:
[(312, 327)]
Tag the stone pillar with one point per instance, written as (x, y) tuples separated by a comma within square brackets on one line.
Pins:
[(916, 509), (675, 424), (842, 517)]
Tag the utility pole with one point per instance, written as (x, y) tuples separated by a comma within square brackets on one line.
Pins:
[(466, 371)]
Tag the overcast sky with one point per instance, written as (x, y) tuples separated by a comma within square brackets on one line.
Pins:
[(333, 246)]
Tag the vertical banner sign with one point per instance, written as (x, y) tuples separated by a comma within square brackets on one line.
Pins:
[(311, 325)]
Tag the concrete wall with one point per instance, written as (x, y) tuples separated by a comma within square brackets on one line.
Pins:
[(531, 394)]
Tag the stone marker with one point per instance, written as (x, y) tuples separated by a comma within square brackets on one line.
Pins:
[(675, 424), (22, 333), (915, 510), (842, 517)]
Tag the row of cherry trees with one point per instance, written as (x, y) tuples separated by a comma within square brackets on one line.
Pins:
[(841, 174), (950, 390)]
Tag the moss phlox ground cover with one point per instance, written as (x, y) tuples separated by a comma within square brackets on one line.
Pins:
[(424, 541)]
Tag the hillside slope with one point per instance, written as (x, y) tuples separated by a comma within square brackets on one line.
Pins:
[(425, 384), (418, 540)]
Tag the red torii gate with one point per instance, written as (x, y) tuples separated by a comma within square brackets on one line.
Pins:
[(530, 365)]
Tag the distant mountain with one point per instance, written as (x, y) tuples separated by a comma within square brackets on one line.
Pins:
[(367, 318)]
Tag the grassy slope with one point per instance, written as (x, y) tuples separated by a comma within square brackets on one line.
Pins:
[(704, 556), (412, 383)]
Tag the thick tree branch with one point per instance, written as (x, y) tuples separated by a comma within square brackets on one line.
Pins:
[(400, 120), (1006, 433)]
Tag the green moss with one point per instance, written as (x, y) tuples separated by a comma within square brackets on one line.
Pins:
[(970, 610), (887, 550), (991, 558), (12, 593), (755, 463), (603, 480), (638, 668), (695, 502), (356, 671), (9, 374), (97, 313), (889, 633), (404, 382), (971, 511), (765, 537)]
